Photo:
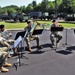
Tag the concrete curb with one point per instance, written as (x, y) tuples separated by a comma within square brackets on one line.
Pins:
[(23, 29)]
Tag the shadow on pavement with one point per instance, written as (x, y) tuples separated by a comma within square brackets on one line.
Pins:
[(64, 52), (37, 52), (70, 48)]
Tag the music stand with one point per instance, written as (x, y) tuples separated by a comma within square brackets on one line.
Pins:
[(37, 31), (53, 29), (16, 45), (57, 29), (66, 35), (74, 31), (22, 34)]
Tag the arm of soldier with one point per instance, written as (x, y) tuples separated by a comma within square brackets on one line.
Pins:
[(9, 33), (3, 42), (7, 44)]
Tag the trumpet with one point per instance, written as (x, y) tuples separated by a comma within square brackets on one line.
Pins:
[(60, 25)]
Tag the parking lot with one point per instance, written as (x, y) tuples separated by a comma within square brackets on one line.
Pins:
[(47, 61)]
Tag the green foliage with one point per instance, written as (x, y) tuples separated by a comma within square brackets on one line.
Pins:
[(64, 6), (67, 6), (29, 8), (34, 4), (22, 9)]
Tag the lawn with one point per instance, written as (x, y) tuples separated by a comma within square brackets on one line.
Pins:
[(13, 25), (22, 25)]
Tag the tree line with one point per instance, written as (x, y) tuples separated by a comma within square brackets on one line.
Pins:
[(59, 6)]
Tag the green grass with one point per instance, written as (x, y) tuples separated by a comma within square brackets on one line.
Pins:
[(13, 25), (68, 25), (65, 25), (22, 25)]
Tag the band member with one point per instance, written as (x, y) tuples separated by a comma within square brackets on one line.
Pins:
[(30, 37), (3, 60), (5, 35), (54, 34)]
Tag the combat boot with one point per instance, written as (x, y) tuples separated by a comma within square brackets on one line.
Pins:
[(29, 48), (7, 64), (2, 69)]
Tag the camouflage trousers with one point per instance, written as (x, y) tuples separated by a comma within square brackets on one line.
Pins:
[(3, 55), (30, 38), (57, 35)]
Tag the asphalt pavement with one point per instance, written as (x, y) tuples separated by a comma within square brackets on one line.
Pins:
[(47, 61)]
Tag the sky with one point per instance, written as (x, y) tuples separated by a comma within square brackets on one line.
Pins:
[(17, 2)]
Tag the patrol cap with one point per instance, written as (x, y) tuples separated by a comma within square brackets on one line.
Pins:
[(1, 26), (28, 22), (54, 20)]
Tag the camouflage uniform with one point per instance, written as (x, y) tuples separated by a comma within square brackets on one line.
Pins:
[(6, 35), (30, 37), (3, 55), (56, 34)]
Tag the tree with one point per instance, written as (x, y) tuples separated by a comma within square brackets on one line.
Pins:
[(34, 4), (67, 6), (29, 8), (11, 10), (51, 7), (22, 9), (37, 8), (1, 11), (44, 6), (72, 5)]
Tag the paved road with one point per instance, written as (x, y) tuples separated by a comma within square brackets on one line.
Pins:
[(47, 61)]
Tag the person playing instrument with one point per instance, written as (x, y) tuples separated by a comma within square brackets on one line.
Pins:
[(30, 37), (56, 34), (5, 34)]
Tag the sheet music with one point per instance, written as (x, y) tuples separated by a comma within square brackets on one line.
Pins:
[(26, 34), (19, 39)]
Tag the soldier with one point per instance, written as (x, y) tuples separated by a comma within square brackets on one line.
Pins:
[(56, 34), (30, 37), (3, 59), (6, 35)]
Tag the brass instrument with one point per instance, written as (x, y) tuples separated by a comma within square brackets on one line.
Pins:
[(35, 23), (32, 29), (60, 25)]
